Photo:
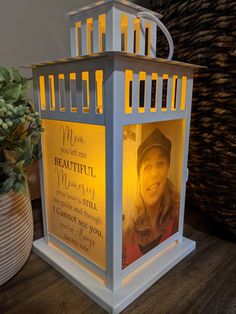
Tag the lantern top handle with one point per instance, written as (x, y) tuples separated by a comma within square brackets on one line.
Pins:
[(104, 2), (150, 16)]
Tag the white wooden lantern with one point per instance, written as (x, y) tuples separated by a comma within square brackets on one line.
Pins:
[(113, 119)]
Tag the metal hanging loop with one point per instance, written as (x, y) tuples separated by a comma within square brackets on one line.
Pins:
[(150, 16)]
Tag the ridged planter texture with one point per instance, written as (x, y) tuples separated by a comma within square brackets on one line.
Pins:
[(16, 233)]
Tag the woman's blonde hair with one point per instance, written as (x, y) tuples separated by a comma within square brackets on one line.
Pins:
[(169, 207)]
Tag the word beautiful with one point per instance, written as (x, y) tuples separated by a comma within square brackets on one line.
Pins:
[(74, 166)]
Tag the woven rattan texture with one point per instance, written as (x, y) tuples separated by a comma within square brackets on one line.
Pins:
[(204, 33)]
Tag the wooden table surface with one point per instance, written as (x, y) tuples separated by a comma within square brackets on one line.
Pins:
[(204, 282)]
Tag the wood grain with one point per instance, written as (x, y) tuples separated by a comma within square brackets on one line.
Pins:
[(204, 282)]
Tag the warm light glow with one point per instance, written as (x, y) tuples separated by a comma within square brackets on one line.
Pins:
[(183, 92), (137, 34), (128, 91), (124, 32), (99, 91), (142, 78), (89, 32), (52, 92), (173, 96), (77, 32), (73, 78), (74, 176), (85, 91), (62, 92), (42, 92), (102, 32)]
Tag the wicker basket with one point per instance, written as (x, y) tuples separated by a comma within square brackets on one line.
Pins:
[(204, 33)]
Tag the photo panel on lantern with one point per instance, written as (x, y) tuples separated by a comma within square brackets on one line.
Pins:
[(152, 175)]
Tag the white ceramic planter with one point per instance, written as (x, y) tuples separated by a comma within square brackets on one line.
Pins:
[(16, 233)]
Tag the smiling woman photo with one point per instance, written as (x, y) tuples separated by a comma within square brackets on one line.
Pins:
[(155, 214)]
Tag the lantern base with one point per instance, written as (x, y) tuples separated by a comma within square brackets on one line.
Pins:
[(94, 287)]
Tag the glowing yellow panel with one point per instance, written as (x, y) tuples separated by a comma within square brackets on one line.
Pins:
[(173, 96), (128, 91), (124, 30), (153, 153), (42, 92), (99, 91), (85, 77), (77, 28), (148, 26), (142, 77), (74, 172), (102, 30), (183, 92), (52, 91), (137, 34), (155, 78), (73, 78), (165, 77), (89, 37), (62, 87)]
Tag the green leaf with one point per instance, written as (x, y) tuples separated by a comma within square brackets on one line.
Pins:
[(7, 185), (16, 75), (25, 88), (12, 92), (4, 74), (20, 186), (19, 166)]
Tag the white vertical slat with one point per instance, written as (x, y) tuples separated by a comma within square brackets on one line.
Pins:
[(185, 156), (169, 93), (135, 93), (178, 94), (72, 39), (142, 37), (148, 92), (84, 37), (67, 104), (130, 47), (92, 93), (79, 98), (159, 92), (153, 39), (41, 163), (113, 30), (47, 93), (56, 87), (114, 91), (96, 34)]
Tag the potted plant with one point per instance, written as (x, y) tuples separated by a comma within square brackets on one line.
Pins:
[(20, 132)]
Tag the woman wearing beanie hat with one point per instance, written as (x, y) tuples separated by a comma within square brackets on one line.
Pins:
[(155, 214)]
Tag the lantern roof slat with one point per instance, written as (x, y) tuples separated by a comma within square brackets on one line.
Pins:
[(116, 54), (104, 2)]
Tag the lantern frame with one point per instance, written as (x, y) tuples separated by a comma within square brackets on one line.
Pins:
[(118, 287)]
